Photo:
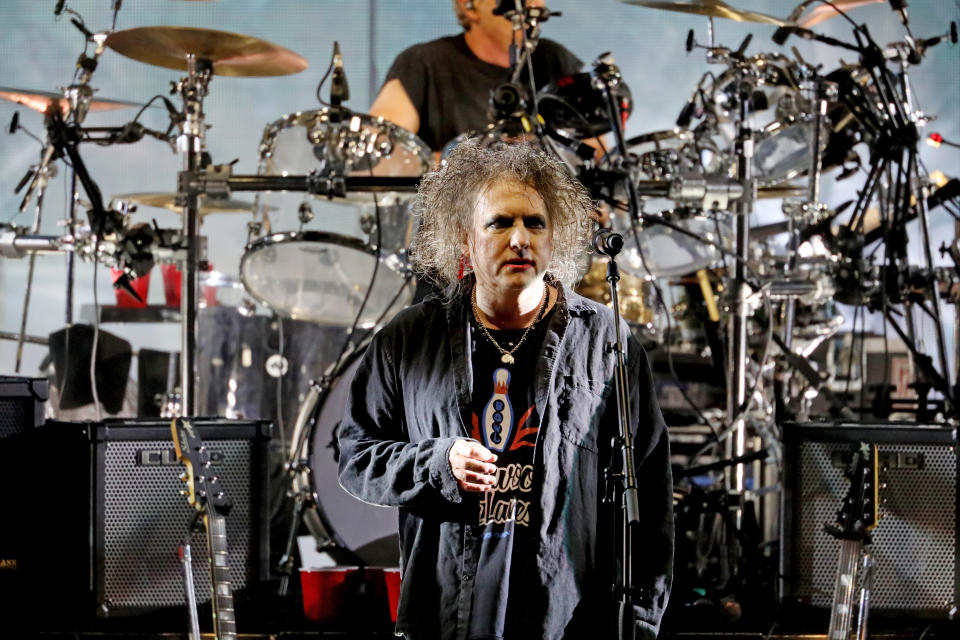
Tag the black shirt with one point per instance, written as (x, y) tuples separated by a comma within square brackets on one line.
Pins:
[(505, 420), (450, 87)]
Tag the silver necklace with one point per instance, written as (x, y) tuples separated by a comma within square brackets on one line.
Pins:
[(506, 357)]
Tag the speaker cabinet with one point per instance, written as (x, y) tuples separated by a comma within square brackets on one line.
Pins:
[(100, 515), (915, 542), (21, 403)]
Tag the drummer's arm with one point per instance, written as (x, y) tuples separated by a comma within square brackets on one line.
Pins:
[(393, 104), (379, 463)]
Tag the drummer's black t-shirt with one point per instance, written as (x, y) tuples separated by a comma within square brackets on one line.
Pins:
[(450, 87), (505, 420)]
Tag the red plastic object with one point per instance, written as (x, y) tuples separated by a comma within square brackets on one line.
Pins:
[(172, 286), (141, 285), (393, 591), (341, 595)]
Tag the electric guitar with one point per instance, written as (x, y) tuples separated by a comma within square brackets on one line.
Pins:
[(205, 494), (856, 518)]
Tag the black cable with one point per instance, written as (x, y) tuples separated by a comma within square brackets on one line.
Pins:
[(322, 81), (348, 339)]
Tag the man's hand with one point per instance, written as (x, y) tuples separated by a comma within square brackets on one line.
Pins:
[(472, 466)]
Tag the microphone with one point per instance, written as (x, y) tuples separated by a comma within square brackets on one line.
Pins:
[(690, 41), (339, 88), (686, 114), (607, 242), (58, 9), (743, 46), (14, 123), (900, 7), (505, 6)]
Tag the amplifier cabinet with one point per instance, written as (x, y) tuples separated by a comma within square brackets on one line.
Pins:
[(915, 542), (101, 514), (22, 403)]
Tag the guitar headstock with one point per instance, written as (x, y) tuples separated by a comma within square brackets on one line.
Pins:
[(860, 509), (204, 491)]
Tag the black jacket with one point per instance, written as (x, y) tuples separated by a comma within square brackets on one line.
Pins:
[(409, 402)]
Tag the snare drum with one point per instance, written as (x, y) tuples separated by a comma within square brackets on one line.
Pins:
[(347, 258), (364, 533)]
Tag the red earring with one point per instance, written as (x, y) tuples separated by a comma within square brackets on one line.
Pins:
[(464, 264)]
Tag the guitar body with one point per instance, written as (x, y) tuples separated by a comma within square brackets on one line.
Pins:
[(205, 494)]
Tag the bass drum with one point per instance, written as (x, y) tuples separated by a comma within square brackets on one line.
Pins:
[(353, 532)]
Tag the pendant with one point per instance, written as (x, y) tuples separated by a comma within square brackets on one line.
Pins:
[(507, 359)]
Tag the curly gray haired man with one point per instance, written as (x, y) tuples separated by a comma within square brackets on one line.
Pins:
[(485, 416), (449, 200)]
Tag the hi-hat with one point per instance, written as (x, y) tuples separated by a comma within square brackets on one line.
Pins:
[(41, 100), (712, 8), (232, 54), (168, 200)]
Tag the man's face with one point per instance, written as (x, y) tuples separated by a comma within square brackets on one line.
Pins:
[(496, 27), (511, 242)]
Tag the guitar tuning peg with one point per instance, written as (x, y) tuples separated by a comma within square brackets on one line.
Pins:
[(183, 476), (184, 492), (213, 479)]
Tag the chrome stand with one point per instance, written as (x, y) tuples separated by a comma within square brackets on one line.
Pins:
[(191, 146)]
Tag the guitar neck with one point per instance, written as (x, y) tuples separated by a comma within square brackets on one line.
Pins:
[(844, 612), (224, 624)]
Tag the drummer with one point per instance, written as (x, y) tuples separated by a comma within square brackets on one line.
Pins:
[(486, 415), (440, 89)]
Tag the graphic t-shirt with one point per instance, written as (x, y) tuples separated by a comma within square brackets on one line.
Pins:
[(505, 421)]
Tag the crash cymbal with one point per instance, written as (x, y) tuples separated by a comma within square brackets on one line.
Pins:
[(41, 100), (232, 54), (712, 8), (167, 200), (822, 12)]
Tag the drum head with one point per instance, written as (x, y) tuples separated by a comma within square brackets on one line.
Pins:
[(324, 278), (350, 144), (669, 253), (368, 531)]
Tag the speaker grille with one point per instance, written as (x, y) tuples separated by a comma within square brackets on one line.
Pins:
[(914, 541), (145, 518), (13, 415)]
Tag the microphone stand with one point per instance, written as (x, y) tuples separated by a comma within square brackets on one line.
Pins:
[(606, 77), (626, 479)]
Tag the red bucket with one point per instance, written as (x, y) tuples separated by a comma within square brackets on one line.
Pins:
[(350, 596)]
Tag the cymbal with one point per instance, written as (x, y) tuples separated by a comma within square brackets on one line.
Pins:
[(232, 54), (712, 8), (168, 200), (41, 100), (822, 12)]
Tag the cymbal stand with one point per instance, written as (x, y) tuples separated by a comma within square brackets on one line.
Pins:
[(191, 144), (820, 92), (79, 95), (44, 174)]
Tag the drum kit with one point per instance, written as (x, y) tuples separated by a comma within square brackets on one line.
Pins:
[(766, 126)]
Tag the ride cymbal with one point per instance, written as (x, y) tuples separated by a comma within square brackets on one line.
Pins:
[(168, 200), (712, 8), (232, 54), (41, 100)]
